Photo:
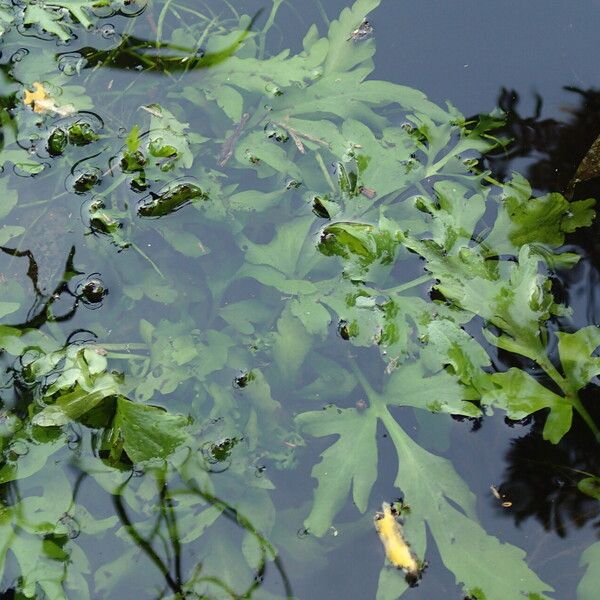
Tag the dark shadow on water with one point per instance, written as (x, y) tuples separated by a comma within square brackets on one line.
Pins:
[(553, 149), (541, 478)]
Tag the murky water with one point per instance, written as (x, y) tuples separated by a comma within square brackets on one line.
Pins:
[(169, 252)]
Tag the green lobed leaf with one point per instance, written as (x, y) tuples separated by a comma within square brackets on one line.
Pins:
[(439, 497), (520, 395), (147, 432), (587, 589), (350, 463)]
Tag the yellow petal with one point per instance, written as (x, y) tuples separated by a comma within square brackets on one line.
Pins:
[(397, 550), (33, 98)]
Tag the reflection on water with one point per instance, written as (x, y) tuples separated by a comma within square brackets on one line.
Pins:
[(125, 281), (553, 148)]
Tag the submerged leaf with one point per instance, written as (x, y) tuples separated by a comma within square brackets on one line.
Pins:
[(588, 586), (350, 463), (439, 497)]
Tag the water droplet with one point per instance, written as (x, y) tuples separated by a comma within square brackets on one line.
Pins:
[(107, 31), (84, 180), (71, 64), (18, 448), (92, 291), (9, 424), (302, 532), (71, 525), (273, 90), (274, 131), (218, 454), (292, 184), (19, 55)]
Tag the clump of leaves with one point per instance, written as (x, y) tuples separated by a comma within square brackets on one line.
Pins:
[(234, 157)]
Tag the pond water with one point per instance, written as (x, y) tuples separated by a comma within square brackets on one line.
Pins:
[(267, 267)]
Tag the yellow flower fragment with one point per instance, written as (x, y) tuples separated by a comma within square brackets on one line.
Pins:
[(397, 550), (41, 102), (36, 99)]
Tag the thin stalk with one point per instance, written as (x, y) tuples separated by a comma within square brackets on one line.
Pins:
[(570, 394), (376, 402), (322, 12), (114, 185), (324, 170), (409, 284), (268, 25), (125, 347), (125, 356), (191, 11), (585, 415), (144, 255), (161, 20)]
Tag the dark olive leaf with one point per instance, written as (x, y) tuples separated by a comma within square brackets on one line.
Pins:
[(147, 432)]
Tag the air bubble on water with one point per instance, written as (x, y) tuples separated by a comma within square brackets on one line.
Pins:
[(71, 64), (273, 90), (107, 31), (19, 55), (72, 526), (302, 533), (214, 463), (19, 448), (292, 184)]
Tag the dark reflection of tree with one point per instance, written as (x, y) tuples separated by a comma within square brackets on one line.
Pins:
[(553, 148), (41, 310), (541, 478), (170, 565), (133, 52)]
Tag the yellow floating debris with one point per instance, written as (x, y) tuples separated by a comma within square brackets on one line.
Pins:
[(34, 98), (397, 550), (41, 102)]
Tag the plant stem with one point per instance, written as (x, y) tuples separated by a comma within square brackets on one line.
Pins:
[(376, 403), (322, 12), (409, 284), (126, 356), (144, 255), (268, 25), (323, 168), (584, 414), (570, 394), (125, 347), (161, 19)]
